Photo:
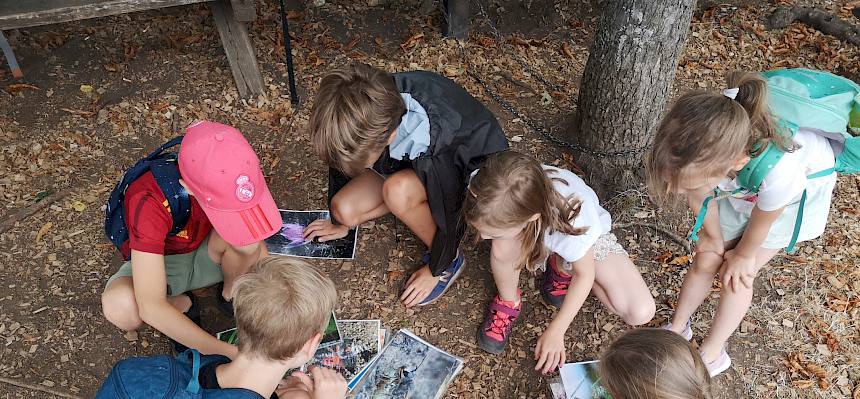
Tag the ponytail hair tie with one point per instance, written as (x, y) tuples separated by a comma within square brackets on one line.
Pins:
[(731, 93)]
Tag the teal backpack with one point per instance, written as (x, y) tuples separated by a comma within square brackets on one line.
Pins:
[(828, 103)]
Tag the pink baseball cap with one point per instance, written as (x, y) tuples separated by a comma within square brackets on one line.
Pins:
[(223, 173)]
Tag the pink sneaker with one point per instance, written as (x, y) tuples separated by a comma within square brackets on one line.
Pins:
[(721, 364), (687, 333), (494, 333), (555, 285)]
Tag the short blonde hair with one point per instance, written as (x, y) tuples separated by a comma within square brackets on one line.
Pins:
[(654, 363), (355, 111), (280, 306)]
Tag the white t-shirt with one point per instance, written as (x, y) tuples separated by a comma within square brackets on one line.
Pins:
[(785, 183), (591, 215)]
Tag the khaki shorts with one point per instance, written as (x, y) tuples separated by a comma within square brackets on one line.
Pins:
[(185, 272)]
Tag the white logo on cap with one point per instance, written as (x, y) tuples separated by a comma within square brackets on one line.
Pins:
[(244, 189)]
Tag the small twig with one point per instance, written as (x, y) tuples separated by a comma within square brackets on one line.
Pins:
[(38, 388), (31, 209), (516, 81), (674, 237)]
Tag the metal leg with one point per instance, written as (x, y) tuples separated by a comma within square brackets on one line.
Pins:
[(10, 57)]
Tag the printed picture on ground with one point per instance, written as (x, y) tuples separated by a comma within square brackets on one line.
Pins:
[(290, 239), (408, 367)]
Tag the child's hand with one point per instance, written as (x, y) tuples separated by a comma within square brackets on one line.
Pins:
[(419, 286), (549, 351), (326, 384), (324, 230), (737, 269)]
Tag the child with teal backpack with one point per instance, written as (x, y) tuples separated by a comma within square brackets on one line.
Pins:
[(756, 163)]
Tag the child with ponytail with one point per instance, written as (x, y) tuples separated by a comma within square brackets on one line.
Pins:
[(538, 215), (703, 143)]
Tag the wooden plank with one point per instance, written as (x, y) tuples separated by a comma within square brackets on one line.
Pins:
[(456, 19), (245, 10), (239, 49), (24, 13)]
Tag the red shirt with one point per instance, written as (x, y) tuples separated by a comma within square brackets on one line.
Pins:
[(149, 222)]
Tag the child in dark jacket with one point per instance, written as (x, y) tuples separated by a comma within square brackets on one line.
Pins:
[(403, 143)]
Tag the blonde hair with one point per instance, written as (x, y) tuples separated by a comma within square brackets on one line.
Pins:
[(355, 111), (708, 130), (653, 363), (508, 190), (281, 305)]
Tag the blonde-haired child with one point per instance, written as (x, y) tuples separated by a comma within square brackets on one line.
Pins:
[(702, 143), (536, 213), (652, 363)]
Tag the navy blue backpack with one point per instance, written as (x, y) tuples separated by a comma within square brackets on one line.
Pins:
[(166, 377), (165, 169)]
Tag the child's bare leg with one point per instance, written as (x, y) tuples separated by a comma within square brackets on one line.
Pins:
[(406, 198), (120, 306), (360, 200), (696, 287), (620, 287), (506, 273), (731, 311)]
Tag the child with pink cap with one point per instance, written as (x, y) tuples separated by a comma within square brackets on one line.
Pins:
[(231, 213)]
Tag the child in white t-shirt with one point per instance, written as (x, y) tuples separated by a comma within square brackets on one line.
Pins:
[(538, 214), (702, 144)]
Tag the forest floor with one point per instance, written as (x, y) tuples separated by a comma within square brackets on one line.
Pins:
[(98, 94)]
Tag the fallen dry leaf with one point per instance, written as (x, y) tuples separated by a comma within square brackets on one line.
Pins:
[(412, 41), (17, 88), (44, 230)]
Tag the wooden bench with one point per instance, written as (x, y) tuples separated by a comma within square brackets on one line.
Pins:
[(229, 16)]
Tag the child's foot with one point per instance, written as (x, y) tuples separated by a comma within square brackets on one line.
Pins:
[(494, 333), (448, 276), (686, 333), (192, 313), (718, 365), (555, 284)]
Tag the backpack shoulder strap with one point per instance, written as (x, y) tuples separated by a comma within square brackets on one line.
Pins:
[(191, 359), (165, 170), (172, 143)]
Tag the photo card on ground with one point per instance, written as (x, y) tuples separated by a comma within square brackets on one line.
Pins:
[(290, 240), (581, 380), (408, 367), (359, 347)]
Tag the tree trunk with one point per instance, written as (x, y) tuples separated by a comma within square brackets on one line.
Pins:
[(625, 86)]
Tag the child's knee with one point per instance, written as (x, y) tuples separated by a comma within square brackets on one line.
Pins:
[(641, 312), (402, 192), (120, 308), (345, 212)]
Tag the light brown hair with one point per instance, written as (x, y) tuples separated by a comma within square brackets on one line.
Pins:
[(653, 363), (355, 111), (705, 131), (281, 305), (512, 187)]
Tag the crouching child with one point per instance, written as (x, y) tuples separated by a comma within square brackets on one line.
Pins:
[(282, 309)]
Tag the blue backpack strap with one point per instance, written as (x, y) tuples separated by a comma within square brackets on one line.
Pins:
[(173, 142), (193, 386), (165, 170), (700, 217), (797, 222)]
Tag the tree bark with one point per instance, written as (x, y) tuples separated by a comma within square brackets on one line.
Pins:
[(630, 69)]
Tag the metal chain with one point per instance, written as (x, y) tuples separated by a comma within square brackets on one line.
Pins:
[(535, 126)]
